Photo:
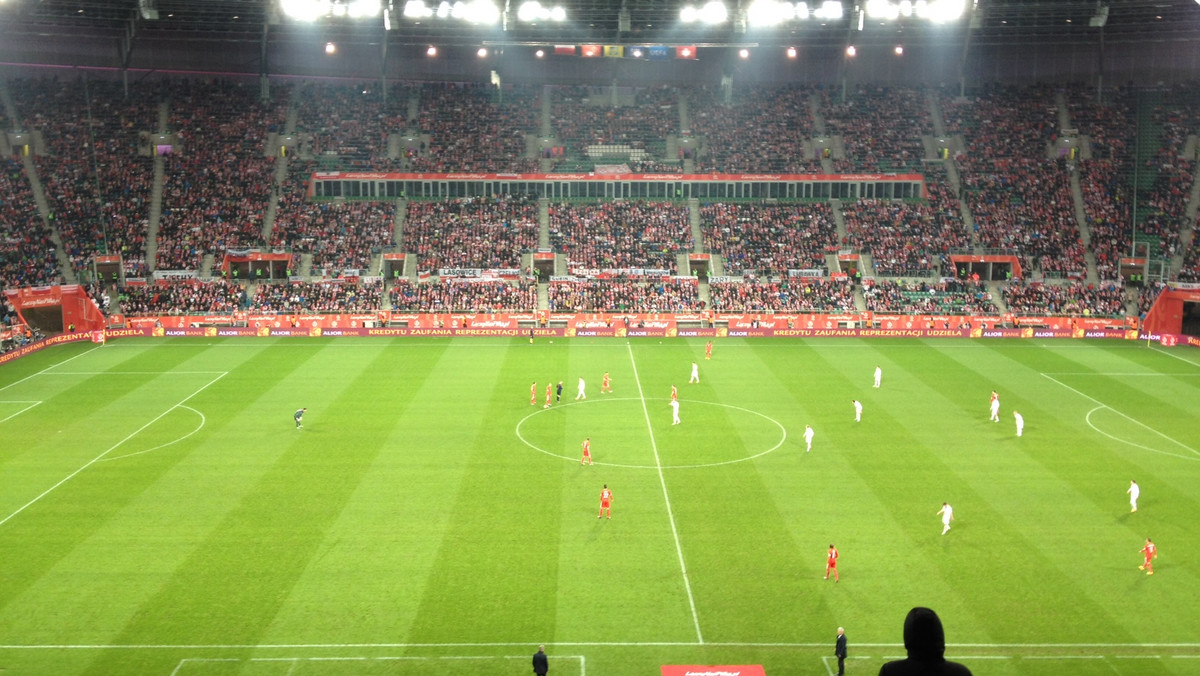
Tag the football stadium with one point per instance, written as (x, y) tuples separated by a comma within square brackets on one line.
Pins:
[(352, 337)]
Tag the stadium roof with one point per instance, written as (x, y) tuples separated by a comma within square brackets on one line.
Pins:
[(600, 22)]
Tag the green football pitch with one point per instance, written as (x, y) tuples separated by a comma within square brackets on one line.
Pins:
[(160, 513)]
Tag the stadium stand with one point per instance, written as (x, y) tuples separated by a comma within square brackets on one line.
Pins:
[(761, 129), (218, 182), (880, 126), (451, 295), (622, 295), (182, 297), (1077, 298), (768, 239), (351, 122), (475, 127), (917, 297), (27, 255), (474, 232), (785, 295), (621, 235), (331, 296), (592, 129)]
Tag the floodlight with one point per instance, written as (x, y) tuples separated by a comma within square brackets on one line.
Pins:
[(830, 9), (942, 11), (744, 53), (481, 52), (330, 48), (431, 51), (802, 12), (533, 11), (791, 52), (360, 9), (899, 50), (540, 53), (712, 13), (303, 10), (416, 9), (851, 51), (338, 10), (882, 9), (476, 11), (763, 13)]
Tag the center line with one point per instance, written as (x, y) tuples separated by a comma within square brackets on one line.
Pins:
[(687, 585)]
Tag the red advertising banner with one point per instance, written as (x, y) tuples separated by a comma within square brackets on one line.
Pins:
[(701, 178), (713, 670)]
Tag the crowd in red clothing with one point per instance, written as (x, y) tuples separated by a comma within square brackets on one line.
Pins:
[(1077, 298), (786, 295), (475, 127), (908, 238), (331, 296), (918, 297), (27, 254), (472, 232), (621, 235), (217, 184), (97, 184), (351, 121), (585, 116), (667, 295), (880, 126), (768, 239), (453, 295), (340, 235), (182, 297), (761, 129)]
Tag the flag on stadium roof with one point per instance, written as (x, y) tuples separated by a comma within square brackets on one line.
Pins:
[(592, 50), (614, 51), (688, 52), (564, 50), (659, 52)]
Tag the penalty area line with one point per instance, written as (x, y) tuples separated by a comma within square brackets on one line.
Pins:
[(110, 449)]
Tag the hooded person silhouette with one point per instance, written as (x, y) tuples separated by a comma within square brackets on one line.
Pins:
[(925, 642)]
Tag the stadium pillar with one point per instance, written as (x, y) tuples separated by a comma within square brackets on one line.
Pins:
[(264, 82)]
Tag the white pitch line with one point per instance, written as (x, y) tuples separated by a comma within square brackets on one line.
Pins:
[(1174, 356), (52, 366), (1088, 419), (586, 644), (662, 480), (31, 405), (203, 421), (110, 449), (1127, 417), (133, 373), (1125, 375)]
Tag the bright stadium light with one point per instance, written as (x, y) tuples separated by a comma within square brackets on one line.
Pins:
[(830, 9), (712, 13), (766, 13), (941, 11), (361, 9), (882, 9), (417, 9), (792, 53), (533, 11), (476, 11), (304, 10)]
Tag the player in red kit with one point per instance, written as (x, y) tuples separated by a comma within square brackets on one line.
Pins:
[(587, 451), (533, 393), (674, 394), (549, 393), (831, 563), (1149, 552), (605, 384), (605, 502), (708, 350)]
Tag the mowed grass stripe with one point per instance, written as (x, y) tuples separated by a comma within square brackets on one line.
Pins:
[(45, 595), (262, 516)]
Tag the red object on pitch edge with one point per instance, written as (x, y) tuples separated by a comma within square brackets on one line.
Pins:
[(712, 670)]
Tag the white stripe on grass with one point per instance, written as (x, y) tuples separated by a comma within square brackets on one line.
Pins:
[(687, 584), (110, 449)]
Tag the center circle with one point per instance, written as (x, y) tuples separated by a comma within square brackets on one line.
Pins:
[(619, 434)]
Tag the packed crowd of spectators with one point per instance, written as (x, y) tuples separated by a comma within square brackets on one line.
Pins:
[(218, 182), (908, 238), (1105, 178), (586, 116), (621, 235), (1077, 298), (182, 297), (881, 127), (97, 184), (27, 254), (1026, 206), (453, 295), (1147, 295), (762, 129), (489, 233), (625, 295), (951, 297), (475, 127), (341, 235), (1003, 121), (328, 297), (1160, 213), (786, 295), (351, 121), (768, 239)]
